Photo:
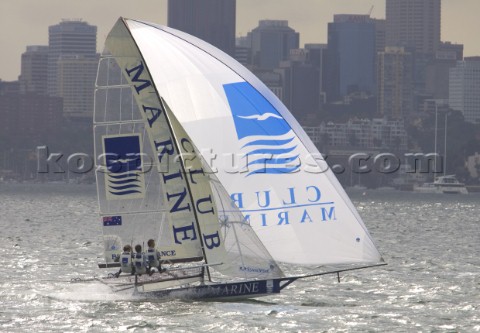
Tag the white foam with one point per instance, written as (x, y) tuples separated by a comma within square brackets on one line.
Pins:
[(91, 291)]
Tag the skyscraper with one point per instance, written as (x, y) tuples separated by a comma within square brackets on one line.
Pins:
[(272, 41), (438, 70), (464, 89), (351, 49), (414, 23), (395, 83), (33, 76), (76, 76), (210, 20), (301, 84), (77, 42)]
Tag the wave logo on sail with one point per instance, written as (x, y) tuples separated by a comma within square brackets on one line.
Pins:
[(265, 137), (124, 178)]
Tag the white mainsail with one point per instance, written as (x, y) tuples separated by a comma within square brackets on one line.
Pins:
[(299, 210), (151, 181), (142, 191)]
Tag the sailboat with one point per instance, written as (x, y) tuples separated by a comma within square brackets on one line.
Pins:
[(166, 105)]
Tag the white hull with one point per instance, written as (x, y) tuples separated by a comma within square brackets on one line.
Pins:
[(440, 190)]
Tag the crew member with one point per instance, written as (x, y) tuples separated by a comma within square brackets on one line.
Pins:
[(139, 261), (126, 265), (153, 257)]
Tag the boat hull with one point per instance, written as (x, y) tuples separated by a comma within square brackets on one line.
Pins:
[(186, 286), (441, 189), (221, 291)]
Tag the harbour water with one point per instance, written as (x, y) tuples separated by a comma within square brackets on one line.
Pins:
[(50, 235)]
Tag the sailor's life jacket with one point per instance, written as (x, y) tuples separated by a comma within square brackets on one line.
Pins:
[(153, 257), (139, 263), (126, 262)]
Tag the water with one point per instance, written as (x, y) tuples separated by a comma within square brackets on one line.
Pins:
[(50, 234)]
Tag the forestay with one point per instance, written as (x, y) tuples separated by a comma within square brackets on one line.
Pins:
[(278, 179)]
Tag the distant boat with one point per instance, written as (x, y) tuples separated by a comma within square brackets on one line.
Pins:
[(161, 96), (448, 184)]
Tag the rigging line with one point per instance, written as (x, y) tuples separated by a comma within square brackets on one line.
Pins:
[(113, 86), (132, 105), (118, 122), (338, 271), (106, 95)]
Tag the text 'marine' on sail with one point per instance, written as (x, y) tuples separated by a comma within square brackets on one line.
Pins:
[(301, 215)]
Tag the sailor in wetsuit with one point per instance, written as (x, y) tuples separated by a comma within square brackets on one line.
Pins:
[(126, 265), (139, 261), (153, 257)]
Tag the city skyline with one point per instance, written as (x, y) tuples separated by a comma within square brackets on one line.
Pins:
[(30, 20)]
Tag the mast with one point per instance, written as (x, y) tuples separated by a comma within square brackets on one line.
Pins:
[(435, 148), (445, 147)]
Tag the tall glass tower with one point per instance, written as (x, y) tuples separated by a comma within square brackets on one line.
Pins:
[(272, 41), (73, 58), (351, 54)]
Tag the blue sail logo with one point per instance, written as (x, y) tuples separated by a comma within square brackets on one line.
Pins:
[(123, 161), (266, 138)]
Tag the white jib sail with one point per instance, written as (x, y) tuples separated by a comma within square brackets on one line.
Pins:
[(279, 180)]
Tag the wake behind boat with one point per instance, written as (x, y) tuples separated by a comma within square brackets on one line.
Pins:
[(164, 100)]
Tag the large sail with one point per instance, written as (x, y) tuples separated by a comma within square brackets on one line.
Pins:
[(152, 181), (142, 190), (278, 179)]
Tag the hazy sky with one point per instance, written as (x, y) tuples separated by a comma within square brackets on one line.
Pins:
[(25, 22)]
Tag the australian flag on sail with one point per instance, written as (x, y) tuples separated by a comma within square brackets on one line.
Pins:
[(266, 138), (123, 161), (112, 220)]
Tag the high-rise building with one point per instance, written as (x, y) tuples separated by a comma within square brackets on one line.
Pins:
[(243, 50), (464, 88), (395, 83), (438, 70), (380, 34), (76, 41), (414, 24), (272, 41), (9, 87), (210, 20), (33, 76), (352, 52), (76, 84), (317, 56), (301, 84)]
